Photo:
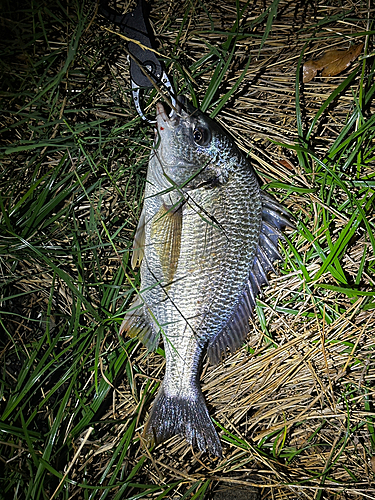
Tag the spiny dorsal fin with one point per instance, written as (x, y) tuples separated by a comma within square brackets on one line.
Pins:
[(274, 213), (166, 232), (139, 241), (274, 218)]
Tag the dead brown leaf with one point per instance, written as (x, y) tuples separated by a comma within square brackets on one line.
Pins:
[(287, 164), (331, 63)]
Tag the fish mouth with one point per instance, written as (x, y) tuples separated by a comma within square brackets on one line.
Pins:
[(173, 118), (162, 117)]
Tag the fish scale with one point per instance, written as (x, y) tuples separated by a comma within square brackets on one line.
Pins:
[(206, 239), (226, 253)]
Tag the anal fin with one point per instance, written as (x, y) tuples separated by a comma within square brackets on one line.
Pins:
[(137, 323)]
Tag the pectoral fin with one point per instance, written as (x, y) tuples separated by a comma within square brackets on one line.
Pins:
[(166, 234)]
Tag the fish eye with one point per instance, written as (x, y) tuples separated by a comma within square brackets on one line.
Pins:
[(201, 136)]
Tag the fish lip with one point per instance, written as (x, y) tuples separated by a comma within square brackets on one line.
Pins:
[(182, 106), (163, 119), (161, 113)]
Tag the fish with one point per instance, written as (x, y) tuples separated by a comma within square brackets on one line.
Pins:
[(206, 240)]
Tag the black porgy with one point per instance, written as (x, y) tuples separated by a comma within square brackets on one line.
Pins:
[(206, 239)]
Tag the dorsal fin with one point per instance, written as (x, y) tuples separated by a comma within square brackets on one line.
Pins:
[(274, 218)]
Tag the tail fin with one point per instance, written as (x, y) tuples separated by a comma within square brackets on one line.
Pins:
[(171, 415)]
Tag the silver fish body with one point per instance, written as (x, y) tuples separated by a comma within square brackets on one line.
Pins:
[(206, 239)]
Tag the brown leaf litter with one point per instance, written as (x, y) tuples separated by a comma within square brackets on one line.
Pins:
[(332, 62)]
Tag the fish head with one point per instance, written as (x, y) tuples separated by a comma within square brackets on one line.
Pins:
[(192, 149)]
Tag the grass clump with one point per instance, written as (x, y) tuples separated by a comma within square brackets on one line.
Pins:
[(295, 406)]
